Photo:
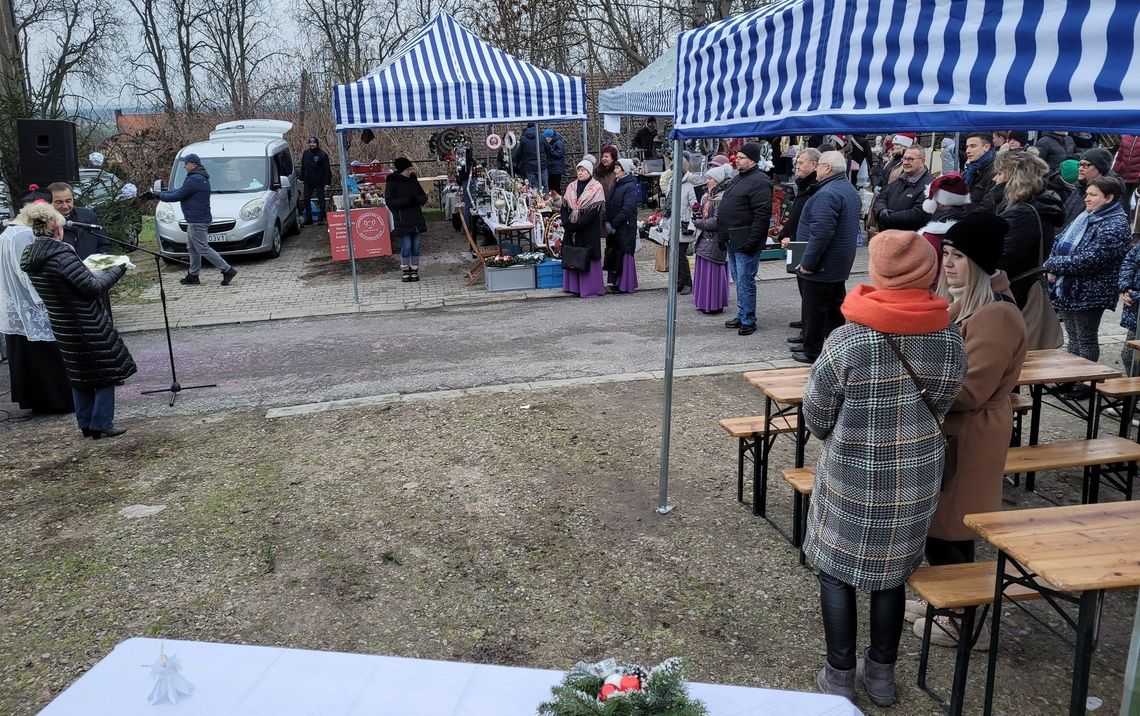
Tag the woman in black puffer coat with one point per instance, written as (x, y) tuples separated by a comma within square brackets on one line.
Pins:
[(95, 358)]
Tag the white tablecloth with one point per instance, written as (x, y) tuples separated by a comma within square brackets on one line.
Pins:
[(494, 225), (270, 681)]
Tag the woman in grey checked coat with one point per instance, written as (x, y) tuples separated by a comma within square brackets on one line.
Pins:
[(880, 470)]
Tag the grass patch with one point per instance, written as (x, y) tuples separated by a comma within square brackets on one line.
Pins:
[(130, 288)]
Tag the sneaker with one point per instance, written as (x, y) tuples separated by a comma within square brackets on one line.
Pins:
[(915, 610), (190, 279), (228, 276), (945, 633), (732, 323)]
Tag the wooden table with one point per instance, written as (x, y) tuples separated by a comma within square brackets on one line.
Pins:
[(781, 387), (521, 230), (1079, 552), (1045, 368)]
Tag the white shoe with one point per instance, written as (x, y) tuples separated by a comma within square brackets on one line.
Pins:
[(915, 609)]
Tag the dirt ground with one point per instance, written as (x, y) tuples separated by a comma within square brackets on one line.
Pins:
[(513, 529)]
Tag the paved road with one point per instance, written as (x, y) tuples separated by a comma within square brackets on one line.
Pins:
[(276, 363)]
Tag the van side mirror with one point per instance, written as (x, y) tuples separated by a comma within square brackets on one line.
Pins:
[(157, 185), (284, 182)]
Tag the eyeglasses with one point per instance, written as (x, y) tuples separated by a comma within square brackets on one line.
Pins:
[(1086, 165)]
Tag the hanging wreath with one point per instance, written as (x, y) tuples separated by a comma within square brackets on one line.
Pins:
[(611, 689)]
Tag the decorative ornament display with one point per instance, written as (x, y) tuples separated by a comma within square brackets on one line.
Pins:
[(765, 163), (446, 141), (169, 683), (494, 141), (608, 688), (511, 140), (506, 261)]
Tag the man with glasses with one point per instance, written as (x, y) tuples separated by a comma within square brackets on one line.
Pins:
[(899, 204), (1095, 162)]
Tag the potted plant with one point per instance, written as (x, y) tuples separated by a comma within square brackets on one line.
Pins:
[(511, 273)]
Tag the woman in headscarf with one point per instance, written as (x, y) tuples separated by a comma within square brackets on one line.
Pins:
[(35, 369), (710, 275), (93, 354), (880, 467), (604, 170), (583, 223)]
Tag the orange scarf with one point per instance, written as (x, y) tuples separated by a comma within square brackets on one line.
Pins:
[(908, 311)]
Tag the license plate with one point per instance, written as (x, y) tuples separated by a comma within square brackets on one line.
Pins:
[(217, 238)]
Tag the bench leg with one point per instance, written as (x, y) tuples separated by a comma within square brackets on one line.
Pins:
[(797, 522), (1131, 477), (741, 447), (962, 660), (759, 475), (803, 529), (924, 654), (1034, 429)]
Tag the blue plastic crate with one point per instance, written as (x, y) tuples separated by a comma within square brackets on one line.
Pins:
[(548, 274)]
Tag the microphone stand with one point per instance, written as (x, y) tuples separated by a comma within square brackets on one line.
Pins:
[(175, 387)]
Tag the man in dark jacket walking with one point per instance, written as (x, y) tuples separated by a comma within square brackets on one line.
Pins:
[(194, 195), (556, 156), (316, 174), (899, 204), (830, 225), (405, 198), (742, 222), (79, 238)]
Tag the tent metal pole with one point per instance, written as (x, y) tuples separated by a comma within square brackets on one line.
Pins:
[(341, 147), (585, 137), (663, 506)]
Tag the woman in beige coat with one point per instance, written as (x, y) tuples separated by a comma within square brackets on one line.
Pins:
[(981, 416)]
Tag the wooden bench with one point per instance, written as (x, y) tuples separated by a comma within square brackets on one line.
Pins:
[(1119, 393), (956, 591), (1094, 454), (802, 480), (749, 432)]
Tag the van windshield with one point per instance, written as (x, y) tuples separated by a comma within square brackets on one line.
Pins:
[(231, 175)]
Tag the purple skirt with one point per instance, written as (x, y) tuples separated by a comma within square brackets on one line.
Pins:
[(626, 281), (585, 283), (710, 285)]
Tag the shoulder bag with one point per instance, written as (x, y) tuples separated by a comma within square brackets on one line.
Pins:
[(949, 442), (1042, 327)]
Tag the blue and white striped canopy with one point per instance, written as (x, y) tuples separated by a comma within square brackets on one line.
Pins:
[(649, 92), (816, 66), (445, 74)]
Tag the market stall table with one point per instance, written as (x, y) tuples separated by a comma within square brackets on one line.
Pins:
[(236, 679), (521, 231), (1070, 555)]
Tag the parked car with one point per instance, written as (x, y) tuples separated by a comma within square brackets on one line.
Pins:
[(101, 191), (253, 196)]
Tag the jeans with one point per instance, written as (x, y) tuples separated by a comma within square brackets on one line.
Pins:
[(536, 180), (841, 622), (743, 267), (94, 409), (319, 192), (410, 249), (1082, 329), (199, 247)]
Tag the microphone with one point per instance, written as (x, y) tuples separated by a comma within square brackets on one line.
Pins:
[(81, 225)]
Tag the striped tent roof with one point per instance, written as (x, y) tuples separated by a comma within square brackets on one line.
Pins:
[(445, 74), (649, 92), (815, 66)]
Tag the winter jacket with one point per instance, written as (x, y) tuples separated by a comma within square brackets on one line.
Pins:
[(709, 245), (1130, 281), (880, 467), (688, 198), (830, 226), (93, 354), (1026, 243), (404, 197), (899, 204), (803, 193), (83, 240), (1091, 271), (194, 195), (981, 185), (1128, 159), (621, 214), (1075, 203), (588, 230), (555, 162), (315, 169), (1055, 148), (746, 212), (529, 147), (889, 167), (643, 140), (981, 416)]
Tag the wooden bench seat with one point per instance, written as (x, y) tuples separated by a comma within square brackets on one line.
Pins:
[(1071, 453), (1118, 388), (1021, 403), (802, 479), (754, 425), (750, 433), (957, 591)]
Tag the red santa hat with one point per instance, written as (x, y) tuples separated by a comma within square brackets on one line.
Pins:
[(949, 190), (904, 139)]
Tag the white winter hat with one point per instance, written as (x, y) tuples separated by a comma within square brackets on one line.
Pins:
[(587, 165), (626, 165), (718, 174)]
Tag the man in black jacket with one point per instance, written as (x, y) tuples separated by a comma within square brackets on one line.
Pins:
[(79, 238), (742, 223), (1055, 147), (899, 204), (316, 175), (645, 139), (979, 170)]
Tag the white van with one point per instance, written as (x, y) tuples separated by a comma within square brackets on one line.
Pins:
[(253, 190)]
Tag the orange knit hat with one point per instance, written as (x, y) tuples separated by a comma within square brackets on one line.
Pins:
[(901, 259)]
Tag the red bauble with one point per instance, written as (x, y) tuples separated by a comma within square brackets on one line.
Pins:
[(608, 690), (630, 683)]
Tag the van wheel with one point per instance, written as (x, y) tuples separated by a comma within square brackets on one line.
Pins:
[(275, 247)]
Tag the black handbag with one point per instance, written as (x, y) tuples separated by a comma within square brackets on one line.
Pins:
[(949, 442), (575, 258)]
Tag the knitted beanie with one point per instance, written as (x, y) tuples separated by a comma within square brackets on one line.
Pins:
[(901, 259)]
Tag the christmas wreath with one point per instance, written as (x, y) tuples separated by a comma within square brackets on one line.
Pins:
[(611, 689)]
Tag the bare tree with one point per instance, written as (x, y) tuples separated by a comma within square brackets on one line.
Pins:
[(165, 65), (239, 40)]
